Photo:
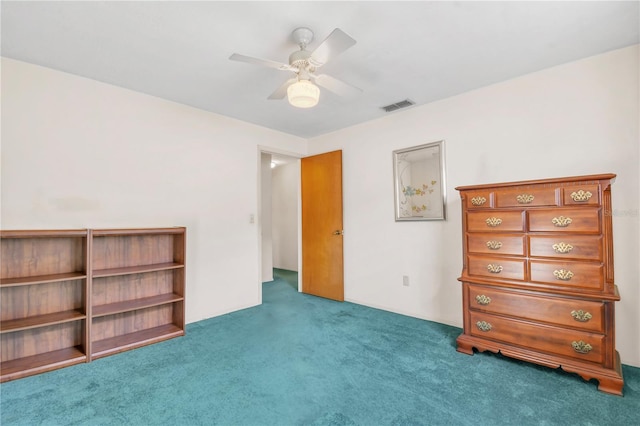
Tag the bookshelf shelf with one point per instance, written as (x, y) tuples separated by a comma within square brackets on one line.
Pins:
[(40, 321), (134, 340)]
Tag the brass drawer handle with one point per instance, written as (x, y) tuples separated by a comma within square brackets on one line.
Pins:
[(494, 269), (562, 247), (580, 315), (493, 221), (483, 326), (581, 196), (524, 198), (561, 221), (494, 245), (482, 299), (581, 347), (478, 201), (563, 274)]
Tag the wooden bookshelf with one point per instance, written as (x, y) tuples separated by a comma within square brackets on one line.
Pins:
[(138, 286), (44, 290), (70, 296)]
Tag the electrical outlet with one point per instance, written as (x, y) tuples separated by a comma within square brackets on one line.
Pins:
[(405, 280), (252, 218)]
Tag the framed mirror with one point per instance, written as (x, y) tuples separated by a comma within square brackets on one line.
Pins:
[(419, 181)]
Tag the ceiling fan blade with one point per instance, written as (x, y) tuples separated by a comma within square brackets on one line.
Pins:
[(263, 62), (281, 91), (337, 42), (336, 86)]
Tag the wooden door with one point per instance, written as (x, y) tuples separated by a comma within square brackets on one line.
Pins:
[(322, 261)]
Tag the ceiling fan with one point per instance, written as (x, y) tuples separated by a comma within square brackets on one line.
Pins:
[(302, 90)]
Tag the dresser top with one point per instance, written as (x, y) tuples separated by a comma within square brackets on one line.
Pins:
[(586, 178)]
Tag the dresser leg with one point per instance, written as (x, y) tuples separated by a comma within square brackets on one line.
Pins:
[(610, 386), (613, 385), (464, 347)]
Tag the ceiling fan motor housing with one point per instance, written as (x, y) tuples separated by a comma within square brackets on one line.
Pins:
[(299, 59)]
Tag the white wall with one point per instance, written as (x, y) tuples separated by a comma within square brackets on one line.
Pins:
[(576, 119), (285, 185), (77, 153)]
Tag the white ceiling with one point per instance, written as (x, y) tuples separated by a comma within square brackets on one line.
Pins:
[(423, 51)]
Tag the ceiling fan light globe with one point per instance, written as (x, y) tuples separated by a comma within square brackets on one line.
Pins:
[(303, 94)]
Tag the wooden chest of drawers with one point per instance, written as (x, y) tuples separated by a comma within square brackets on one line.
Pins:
[(537, 274)]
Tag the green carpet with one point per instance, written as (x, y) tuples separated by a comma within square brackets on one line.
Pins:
[(303, 360)]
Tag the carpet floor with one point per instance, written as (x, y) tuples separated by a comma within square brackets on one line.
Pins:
[(302, 360)]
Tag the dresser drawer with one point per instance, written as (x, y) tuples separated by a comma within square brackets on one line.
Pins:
[(495, 221), (581, 195), (575, 344), (478, 199), (568, 274), (496, 244), (534, 197), (566, 246), (565, 220), (586, 315), (497, 267)]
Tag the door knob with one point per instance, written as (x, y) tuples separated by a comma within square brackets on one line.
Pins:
[(338, 232)]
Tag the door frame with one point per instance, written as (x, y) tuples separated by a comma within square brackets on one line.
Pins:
[(297, 156)]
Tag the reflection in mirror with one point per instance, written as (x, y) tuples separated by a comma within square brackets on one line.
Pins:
[(419, 182)]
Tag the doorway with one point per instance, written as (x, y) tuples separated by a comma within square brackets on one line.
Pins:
[(302, 231), (279, 216)]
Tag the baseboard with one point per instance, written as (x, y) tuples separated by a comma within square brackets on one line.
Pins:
[(403, 312)]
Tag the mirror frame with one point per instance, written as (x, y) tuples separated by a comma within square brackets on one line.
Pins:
[(400, 190)]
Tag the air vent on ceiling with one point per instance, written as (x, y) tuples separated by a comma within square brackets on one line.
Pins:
[(398, 105)]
